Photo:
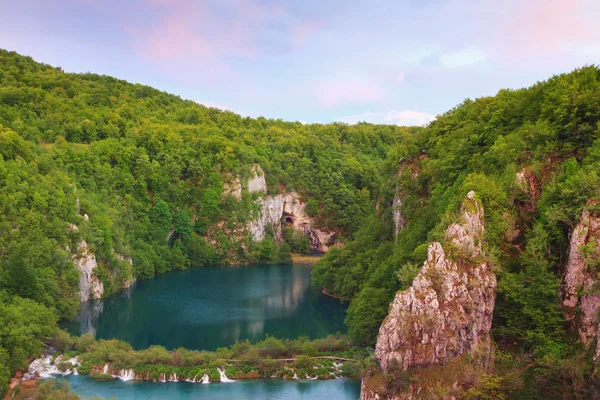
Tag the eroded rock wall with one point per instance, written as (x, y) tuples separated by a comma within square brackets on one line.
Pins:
[(580, 295), (448, 309), (90, 286), (285, 209)]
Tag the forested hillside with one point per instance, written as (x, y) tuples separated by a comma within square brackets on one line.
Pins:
[(144, 179), (532, 156), (142, 176)]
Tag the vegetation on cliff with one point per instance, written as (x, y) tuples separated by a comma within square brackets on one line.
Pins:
[(533, 157)]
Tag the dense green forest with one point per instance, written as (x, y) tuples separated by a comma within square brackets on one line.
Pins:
[(143, 175), (130, 165)]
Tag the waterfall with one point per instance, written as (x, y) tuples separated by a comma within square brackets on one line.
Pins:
[(295, 376), (224, 377), (173, 378), (164, 377), (126, 375), (205, 379), (44, 367)]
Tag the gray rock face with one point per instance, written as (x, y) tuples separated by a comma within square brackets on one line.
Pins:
[(257, 182), (289, 210), (448, 309), (283, 209), (577, 289), (397, 212), (90, 286)]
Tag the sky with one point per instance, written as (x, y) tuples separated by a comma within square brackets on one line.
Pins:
[(381, 61)]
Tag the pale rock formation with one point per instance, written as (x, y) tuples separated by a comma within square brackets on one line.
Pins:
[(271, 211), (289, 210), (579, 284), (257, 182), (90, 286), (397, 212), (283, 209), (448, 309)]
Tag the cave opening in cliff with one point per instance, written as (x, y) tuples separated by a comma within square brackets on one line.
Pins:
[(288, 221)]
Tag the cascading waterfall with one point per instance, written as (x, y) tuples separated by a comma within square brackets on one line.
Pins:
[(224, 377), (205, 379), (45, 367), (126, 375), (105, 371)]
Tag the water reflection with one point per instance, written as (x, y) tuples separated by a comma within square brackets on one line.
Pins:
[(214, 307)]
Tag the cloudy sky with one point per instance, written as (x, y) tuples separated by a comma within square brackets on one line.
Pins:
[(385, 61)]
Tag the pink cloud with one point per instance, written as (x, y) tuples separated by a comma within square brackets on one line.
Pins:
[(333, 93), (302, 32), (211, 31), (542, 28)]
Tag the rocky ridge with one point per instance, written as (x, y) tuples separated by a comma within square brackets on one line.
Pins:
[(448, 309), (580, 296)]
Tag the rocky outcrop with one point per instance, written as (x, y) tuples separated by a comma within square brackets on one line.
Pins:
[(284, 209), (90, 286), (579, 290), (257, 182), (397, 212), (448, 309), (288, 210)]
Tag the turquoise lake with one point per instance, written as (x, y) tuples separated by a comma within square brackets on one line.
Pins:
[(207, 308), (264, 389)]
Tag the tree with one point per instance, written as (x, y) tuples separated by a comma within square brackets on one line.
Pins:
[(365, 315), (161, 220), (284, 255)]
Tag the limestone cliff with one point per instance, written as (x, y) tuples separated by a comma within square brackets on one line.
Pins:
[(450, 304), (397, 212), (448, 309), (283, 209), (90, 286), (287, 209), (579, 289)]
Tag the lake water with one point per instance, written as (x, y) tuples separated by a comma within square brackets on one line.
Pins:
[(264, 389), (206, 308)]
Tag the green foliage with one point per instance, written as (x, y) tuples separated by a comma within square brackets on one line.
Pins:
[(284, 256), (55, 390), (297, 241), (141, 174), (365, 314), (24, 324)]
